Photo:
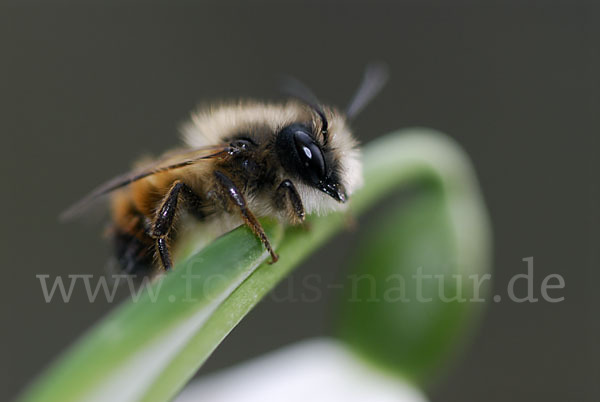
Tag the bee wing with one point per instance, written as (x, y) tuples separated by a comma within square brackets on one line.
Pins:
[(169, 161)]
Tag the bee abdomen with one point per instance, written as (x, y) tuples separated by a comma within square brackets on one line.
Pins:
[(134, 253), (133, 246)]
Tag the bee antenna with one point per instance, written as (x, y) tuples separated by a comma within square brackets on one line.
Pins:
[(376, 75), (296, 89)]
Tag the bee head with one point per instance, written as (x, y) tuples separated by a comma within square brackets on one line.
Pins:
[(303, 156), (327, 161)]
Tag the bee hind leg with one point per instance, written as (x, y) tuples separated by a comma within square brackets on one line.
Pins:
[(234, 195)]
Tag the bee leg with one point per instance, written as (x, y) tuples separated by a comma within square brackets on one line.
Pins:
[(165, 254), (234, 195), (163, 222), (287, 191)]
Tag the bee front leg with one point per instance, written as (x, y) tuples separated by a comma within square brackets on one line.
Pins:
[(234, 195), (163, 221), (288, 199)]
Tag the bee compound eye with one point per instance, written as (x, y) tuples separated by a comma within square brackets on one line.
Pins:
[(310, 155), (300, 154)]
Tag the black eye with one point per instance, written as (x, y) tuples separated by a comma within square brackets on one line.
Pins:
[(300, 154), (310, 155)]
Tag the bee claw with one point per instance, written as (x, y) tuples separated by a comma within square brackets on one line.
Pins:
[(274, 258)]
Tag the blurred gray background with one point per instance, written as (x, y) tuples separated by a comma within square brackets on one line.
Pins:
[(84, 90)]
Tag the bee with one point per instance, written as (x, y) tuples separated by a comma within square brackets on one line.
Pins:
[(241, 161)]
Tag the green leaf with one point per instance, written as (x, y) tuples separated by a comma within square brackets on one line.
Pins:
[(149, 349), (441, 239), (407, 300)]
